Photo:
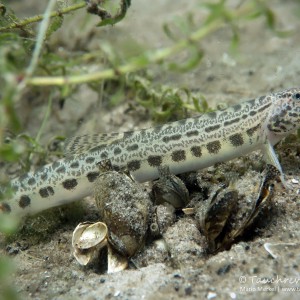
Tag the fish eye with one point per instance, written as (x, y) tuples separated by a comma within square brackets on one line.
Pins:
[(296, 96)]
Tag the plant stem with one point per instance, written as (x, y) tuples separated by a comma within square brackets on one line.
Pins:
[(41, 17), (40, 39), (133, 65)]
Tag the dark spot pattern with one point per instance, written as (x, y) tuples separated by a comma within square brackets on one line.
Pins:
[(143, 131), (128, 134), (252, 113), (46, 191), (132, 147), (133, 165), (31, 181), (24, 201), (5, 208), (178, 155), (74, 165), (275, 126), (39, 170), (116, 168), (165, 139), (251, 102), (154, 160), (104, 155), (75, 142), (90, 160), (237, 107), (265, 107), (283, 113), (61, 169), (192, 133), (252, 130), (174, 137), (212, 114), (236, 140), (293, 115), (227, 123), (213, 147), (92, 176), (117, 151), (44, 176), (196, 151), (283, 128), (212, 128), (70, 184)]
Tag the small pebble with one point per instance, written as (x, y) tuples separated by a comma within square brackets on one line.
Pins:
[(211, 295)]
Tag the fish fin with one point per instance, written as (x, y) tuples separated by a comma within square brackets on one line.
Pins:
[(81, 144)]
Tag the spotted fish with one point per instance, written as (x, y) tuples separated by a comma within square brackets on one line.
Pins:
[(186, 145)]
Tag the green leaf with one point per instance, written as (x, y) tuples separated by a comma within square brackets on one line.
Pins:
[(7, 16), (217, 11), (8, 226), (168, 32), (54, 25), (234, 40), (8, 153), (194, 59), (107, 19)]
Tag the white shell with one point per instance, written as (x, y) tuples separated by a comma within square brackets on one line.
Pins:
[(88, 238), (87, 235), (189, 211), (83, 258), (115, 261)]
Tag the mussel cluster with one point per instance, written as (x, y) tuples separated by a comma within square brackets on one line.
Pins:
[(132, 217)]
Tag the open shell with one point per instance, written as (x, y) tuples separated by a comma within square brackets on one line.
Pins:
[(88, 239), (115, 261)]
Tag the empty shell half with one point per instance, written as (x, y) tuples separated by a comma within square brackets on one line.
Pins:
[(88, 238)]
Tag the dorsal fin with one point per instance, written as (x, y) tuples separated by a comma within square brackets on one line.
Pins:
[(80, 144)]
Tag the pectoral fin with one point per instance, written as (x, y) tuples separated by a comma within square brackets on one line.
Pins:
[(271, 158)]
